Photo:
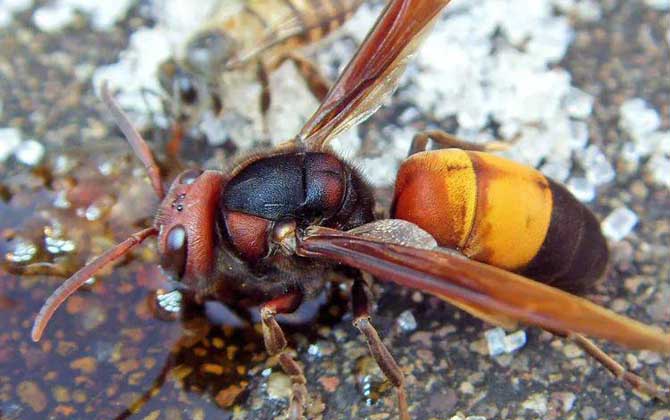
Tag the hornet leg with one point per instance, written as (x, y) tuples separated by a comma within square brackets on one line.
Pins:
[(275, 344), (360, 294), (620, 372), (446, 140)]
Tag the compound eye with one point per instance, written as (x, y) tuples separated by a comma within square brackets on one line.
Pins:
[(186, 90), (189, 177), (173, 259)]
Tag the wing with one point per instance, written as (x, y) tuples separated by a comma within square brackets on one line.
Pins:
[(262, 24), (374, 72), (499, 294)]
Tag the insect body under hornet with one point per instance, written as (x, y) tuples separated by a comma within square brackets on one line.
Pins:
[(266, 233), (258, 35)]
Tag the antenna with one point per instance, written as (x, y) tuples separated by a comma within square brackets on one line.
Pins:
[(80, 277), (136, 141)]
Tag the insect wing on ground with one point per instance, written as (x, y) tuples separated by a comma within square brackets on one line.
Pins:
[(498, 295)]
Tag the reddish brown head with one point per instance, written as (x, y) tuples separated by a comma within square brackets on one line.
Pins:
[(186, 224)]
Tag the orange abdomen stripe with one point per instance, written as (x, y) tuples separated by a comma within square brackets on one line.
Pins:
[(491, 209), (438, 192)]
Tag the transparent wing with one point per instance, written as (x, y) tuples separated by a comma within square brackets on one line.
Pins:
[(374, 72), (497, 294), (271, 22)]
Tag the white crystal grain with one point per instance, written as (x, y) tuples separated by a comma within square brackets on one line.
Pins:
[(638, 118), (662, 5), (30, 152), (578, 103), (582, 188), (10, 139), (406, 321), (619, 223), (495, 339), (170, 301), (659, 167), (514, 341)]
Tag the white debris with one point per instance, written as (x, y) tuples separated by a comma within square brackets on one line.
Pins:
[(558, 171), (485, 61), (499, 342), (53, 17), (379, 171), (9, 7), (579, 135), (10, 139), (241, 121), (582, 188), (588, 10), (493, 61), (659, 167), (30, 152), (598, 170), (359, 24), (58, 245), (638, 118), (495, 338), (61, 201), (58, 14), (92, 212), (22, 251), (406, 321), (642, 123), (135, 73), (537, 403), (514, 341), (170, 301), (314, 350), (662, 5), (286, 114), (578, 103), (618, 224)]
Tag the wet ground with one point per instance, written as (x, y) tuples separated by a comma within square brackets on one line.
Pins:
[(106, 353)]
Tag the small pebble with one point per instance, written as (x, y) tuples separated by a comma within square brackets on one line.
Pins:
[(567, 400), (31, 395), (10, 139), (279, 386), (213, 368), (406, 321), (227, 396), (582, 189), (571, 351), (536, 403), (619, 223), (86, 364), (495, 338), (30, 152), (329, 383), (514, 341)]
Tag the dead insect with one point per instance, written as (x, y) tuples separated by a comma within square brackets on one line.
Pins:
[(266, 233), (260, 35)]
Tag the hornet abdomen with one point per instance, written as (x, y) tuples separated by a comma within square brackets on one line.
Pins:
[(502, 213)]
